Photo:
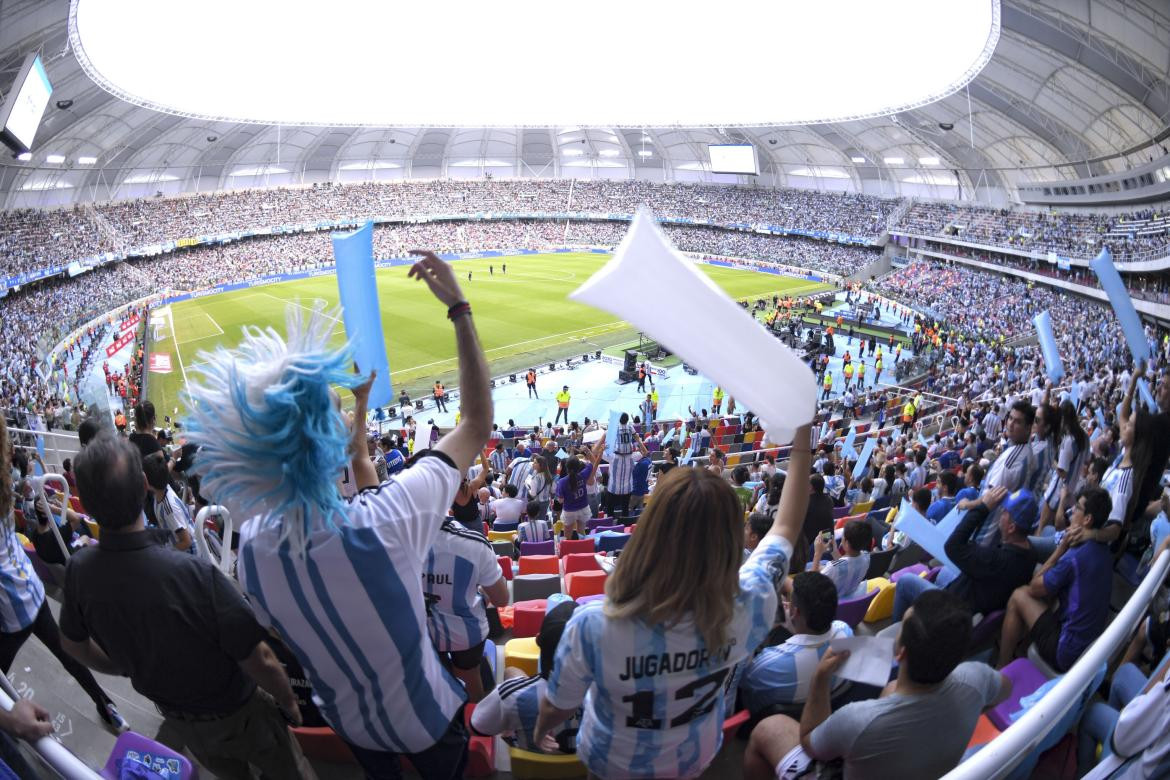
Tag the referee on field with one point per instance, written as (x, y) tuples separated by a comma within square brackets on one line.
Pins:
[(341, 580)]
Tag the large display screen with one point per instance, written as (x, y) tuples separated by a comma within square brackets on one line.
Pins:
[(20, 116), (734, 158)]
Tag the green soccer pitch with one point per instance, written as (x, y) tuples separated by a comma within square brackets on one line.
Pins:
[(524, 317)]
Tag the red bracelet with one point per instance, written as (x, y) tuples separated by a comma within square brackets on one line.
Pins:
[(463, 307)]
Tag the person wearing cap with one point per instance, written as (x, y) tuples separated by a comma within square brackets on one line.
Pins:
[(563, 405), (1066, 605), (988, 574), (514, 705)]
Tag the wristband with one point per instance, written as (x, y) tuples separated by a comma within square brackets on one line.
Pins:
[(458, 309)]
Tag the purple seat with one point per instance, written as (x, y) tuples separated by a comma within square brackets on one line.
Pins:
[(538, 548), (592, 523), (619, 529), (589, 599), (852, 612), (146, 750), (932, 575), (986, 628), (1026, 678), (840, 511), (909, 571)]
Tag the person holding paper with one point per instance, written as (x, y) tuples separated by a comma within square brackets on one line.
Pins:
[(849, 564), (917, 729), (988, 574), (1077, 578), (655, 656), (781, 675)]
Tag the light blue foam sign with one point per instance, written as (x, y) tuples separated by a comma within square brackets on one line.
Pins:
[(1117, 412), (1075, 395), (611, 433), (1100, 416), (1096, 435), (863, 462), (923, 441), (1127, 316), (1052, 362), (847, 448), (926, 534), (824, 431), (688, 457), (358, 291), (561, 454), (951, 521), (1147, 397), (669, 437)]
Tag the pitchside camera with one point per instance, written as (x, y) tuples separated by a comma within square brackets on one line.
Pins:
[(418, 405), (512, 378), (552, 366)]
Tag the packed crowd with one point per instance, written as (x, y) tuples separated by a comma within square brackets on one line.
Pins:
[(1077, 235), (31, 240), (637, 668)]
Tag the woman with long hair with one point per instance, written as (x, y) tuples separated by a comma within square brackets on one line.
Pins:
[(682, 608), (1065, 481)]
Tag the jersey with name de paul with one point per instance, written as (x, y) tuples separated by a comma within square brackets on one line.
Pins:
[(654, 695), (458, 564)]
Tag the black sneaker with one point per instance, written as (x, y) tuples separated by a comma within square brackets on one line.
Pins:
[(112, 718)]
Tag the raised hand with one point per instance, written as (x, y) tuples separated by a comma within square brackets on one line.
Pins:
[(438, 276)]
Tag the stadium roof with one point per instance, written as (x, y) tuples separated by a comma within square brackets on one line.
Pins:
[(1070, 87)]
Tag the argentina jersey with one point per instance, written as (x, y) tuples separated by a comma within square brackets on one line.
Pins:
[(654, 695), (23, 591), (459, 562), (621, 467), (351, 608), (513, 706)]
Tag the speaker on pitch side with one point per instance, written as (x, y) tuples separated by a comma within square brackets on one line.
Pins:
[(631, 363)]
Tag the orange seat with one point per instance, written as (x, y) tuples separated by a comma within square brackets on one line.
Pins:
[(75, 505), (580, 562), (323, 744), (539, 564), (985, 731), (585, 583), (571, 546), (505, 566), (732, 724), (527, 617)]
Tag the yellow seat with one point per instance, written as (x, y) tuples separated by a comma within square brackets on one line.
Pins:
[(522, 654), (861, 508), (559, 528), (94, 528), (882, 606), (527, 765), (501, 536)]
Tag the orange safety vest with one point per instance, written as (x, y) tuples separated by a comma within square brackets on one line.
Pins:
[(438, 393), (531, 377)]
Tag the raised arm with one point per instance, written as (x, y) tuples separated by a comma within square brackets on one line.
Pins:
[(365, 475), (794, 501), (475, 398)]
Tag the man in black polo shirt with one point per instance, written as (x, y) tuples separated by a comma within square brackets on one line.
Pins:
[(177, 627)]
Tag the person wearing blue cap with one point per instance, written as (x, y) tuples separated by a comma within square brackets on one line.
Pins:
[(987, 574)]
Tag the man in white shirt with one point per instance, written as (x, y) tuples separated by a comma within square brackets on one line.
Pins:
[(507, 510), (342, 581)]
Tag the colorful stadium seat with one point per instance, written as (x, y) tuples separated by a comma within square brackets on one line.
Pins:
[(585, 583), (573, 546), (539, 564), (528, 617), (538, 548), (522, 654), (527, 765), (580, 562)]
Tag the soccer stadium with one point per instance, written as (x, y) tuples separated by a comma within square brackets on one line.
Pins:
[(630, 391)]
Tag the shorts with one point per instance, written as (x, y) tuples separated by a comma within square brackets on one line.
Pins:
[(1045, 634), (466, 659), (576, 516)]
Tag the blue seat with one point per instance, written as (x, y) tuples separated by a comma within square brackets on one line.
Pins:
[(612, 542)]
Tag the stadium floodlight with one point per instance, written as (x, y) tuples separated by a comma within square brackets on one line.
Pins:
[(24, 156), (893, 161), (645, 153), (609, 153), (857, 159), (86, 160), (54, 159), (572, 152), (928, 161), (271, 81)]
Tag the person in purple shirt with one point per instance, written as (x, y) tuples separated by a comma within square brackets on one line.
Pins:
[(1066, 606), (573, 493)]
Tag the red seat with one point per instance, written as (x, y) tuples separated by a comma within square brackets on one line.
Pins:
[(527, 617), (481, 751), (585, 583), (580, 562), (505, 566), (539, 564), (571, 546), (75, 505), (732, 724), (323, 744)]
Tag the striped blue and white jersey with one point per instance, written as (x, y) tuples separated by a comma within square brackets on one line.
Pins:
[(352, 611), (459, 563), (654, 695), (621, 466), (24, 593), (534, 529), (1119, 482), (782, 674), (174, 515), (520, 467), (848, 574), (513, 706)]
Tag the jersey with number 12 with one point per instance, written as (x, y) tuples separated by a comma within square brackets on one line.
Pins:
[(654, 695)]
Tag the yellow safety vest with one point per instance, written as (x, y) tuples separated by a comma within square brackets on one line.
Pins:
[(563, 399)]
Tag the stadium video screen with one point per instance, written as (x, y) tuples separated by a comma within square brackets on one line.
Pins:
[(25, 104), (734, 158)]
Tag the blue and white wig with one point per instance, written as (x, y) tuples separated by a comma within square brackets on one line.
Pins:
[(271, 441)]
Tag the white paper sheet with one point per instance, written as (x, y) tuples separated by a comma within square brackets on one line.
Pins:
[(716, 336), (870, 658)]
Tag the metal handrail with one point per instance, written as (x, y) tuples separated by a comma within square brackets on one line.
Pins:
[(56, 479), (49, 749), (1004, 753)]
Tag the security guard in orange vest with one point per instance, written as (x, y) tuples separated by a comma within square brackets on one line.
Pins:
[(440, 396), (531, 380)]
